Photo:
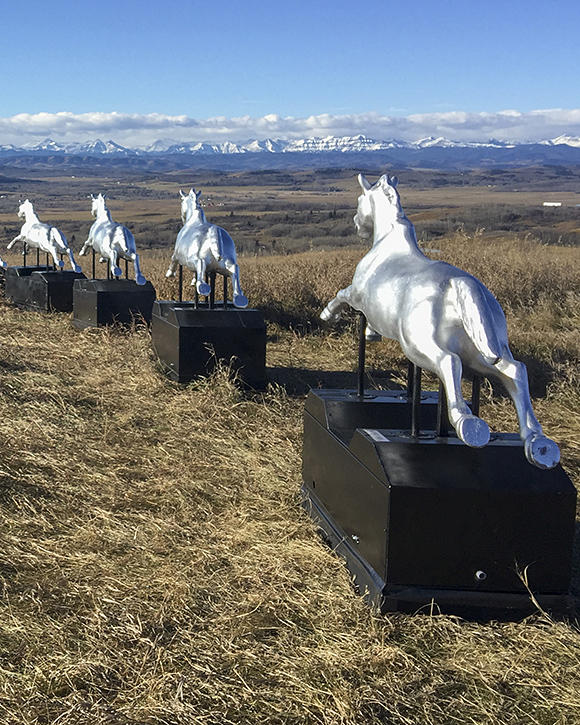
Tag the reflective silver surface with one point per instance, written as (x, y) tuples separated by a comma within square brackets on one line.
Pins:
[(111, 240), (443, 317), (41, 236), (203, 247)]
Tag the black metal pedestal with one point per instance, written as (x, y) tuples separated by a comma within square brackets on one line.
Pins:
[(41, 288), (190, 338), (100, 302), (426, 521)]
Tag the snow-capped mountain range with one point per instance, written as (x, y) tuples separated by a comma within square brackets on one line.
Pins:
[(344, 144), (330, 151)]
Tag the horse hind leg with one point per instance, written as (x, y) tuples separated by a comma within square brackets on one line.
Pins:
[(540, 450), (333, 310), (202, 286), (172, 270), (473, 431), (239, 298), (139, 278)]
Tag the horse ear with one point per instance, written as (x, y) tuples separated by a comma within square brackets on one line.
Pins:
[(192, 192), (393, 181), (181, 194), (363, 181)]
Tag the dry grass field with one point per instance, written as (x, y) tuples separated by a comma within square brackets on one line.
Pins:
[(156, 566)]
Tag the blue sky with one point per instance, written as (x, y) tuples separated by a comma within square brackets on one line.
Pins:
[(237, 70)]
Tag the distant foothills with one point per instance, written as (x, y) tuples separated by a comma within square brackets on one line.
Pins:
[(434, 153)]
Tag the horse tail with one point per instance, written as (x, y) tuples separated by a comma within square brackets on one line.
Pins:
[(477, 318), (122, 236), (215, 243), (58, 238)]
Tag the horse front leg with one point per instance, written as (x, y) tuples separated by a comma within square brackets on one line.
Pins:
[(17, 238), (473, 431), (173, 265), (333, 310), (540, 450), (85, 246)]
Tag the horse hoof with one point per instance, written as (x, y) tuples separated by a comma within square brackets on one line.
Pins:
[(327, 316), (240, 301), (473, 431), (78, 269), (541, 451), (117, 272), (169, 273), (203, 288), (372, 336), (3, 264), (140, 279), (60, 263)]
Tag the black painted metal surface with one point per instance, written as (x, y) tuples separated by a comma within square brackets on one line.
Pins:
[(100, 302), (41, 288), (430, 518), (190, 340)]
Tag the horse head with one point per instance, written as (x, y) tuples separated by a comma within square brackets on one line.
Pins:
[(24, 208), (98, 204), (381, 197), (189, 203)]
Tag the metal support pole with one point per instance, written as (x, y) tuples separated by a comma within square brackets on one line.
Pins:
[(442, 417), (410, 369), (126, 269), (24, 253), (94, 270), (362, 322), (180, 284), (108, 269), (416, 402), (38, 257), (47, 261), (476, 394), (211, 290), (62, 260)]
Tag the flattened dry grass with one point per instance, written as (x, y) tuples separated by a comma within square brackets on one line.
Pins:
[(156, 566)]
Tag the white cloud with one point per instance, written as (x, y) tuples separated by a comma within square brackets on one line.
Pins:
[(143, 129)]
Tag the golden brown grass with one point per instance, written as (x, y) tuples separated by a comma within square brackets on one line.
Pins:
[(156, 566)]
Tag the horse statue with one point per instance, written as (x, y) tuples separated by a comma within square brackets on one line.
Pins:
[(43, 236), (443, 317), (111, 240), (203, 247)]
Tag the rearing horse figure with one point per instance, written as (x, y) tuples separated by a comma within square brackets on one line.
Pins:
[(442, 317), (43, 236), (204, 247), (111, 240)]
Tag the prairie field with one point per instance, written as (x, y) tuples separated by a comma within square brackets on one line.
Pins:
[(156, 566)]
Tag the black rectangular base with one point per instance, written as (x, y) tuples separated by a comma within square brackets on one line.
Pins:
[(190, 341), (41, 288), (100, 302), (430, 520)]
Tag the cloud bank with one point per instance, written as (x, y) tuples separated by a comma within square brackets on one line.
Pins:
[(143, 129)]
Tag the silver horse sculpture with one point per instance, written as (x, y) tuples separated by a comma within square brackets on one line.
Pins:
[(111, 240), (45, 237), (442, 317), (203, 247)]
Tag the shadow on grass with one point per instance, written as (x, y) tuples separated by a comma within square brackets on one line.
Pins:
[(298, 381)]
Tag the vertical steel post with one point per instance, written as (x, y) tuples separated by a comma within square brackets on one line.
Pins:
[(180, 283), (94, 270), (416, 402), (211, 290), (38, 257), (126, 269), (24, 253), (475, 394), (362, 322), (442, 417)]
